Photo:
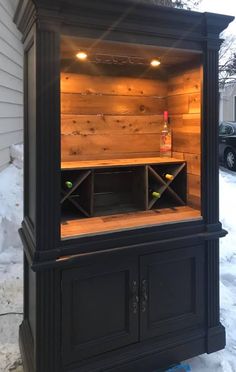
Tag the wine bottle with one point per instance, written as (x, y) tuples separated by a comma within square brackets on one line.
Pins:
[(69, 184), (156, 194), (168, 176), (166, 138)]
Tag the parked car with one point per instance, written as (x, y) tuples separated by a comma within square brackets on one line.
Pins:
[(227, 144)]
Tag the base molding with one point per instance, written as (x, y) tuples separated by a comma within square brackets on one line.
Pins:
[(157, 360), (26, 347), (161, 361), (215, 340)]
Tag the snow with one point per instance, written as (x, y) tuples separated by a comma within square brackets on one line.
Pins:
[(225, 360), (11, 270)]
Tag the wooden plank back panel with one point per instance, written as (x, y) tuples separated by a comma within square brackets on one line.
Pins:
[(118, 86), (186, 121), (112, 124), (184, 141), (108, 146), (92, 104), (110, 117), (184, 105), (189, 103), (193, 161), (188, 82), (194, 184)]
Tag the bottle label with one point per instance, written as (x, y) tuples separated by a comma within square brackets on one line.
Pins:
[(165, 145)]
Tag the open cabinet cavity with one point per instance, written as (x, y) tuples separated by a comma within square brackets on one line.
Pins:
[(112, 104)]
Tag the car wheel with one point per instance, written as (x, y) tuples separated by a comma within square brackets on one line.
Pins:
[(230, 159)]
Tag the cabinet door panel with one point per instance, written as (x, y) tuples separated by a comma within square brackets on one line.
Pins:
[(97, 309), (174, 286)]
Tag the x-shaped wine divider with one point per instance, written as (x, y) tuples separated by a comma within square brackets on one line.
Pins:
[(68, 195), (165, 185)]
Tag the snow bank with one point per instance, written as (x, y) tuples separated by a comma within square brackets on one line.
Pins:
[(228, 215), (225, 360), (11, 208), (16, 153), (11, 270), (11, 297)]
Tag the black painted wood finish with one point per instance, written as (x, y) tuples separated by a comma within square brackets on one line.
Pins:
[(128, 301), (99, 308), (182, 300)]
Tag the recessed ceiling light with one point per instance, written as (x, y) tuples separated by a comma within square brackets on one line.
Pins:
[(155, 63), (82, 56)]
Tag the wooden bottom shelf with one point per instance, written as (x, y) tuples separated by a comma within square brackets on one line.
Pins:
[(98, 225)]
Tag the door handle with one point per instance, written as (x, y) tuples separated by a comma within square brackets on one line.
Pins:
[(144, 291), (135, 297)]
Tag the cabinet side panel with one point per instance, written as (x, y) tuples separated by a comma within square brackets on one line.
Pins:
[(30, 134), (32, 301)]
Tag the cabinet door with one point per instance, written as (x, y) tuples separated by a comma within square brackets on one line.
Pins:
[(172, 291), (99, 308)]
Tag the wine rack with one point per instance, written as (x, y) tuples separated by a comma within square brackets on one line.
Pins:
[(113, 190), (169, 183), (77, 199)]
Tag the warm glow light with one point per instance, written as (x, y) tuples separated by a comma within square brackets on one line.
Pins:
[(82, 56), (155, 63)]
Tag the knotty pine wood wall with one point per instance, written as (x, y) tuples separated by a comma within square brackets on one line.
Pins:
[(184, 106), (110, 117), (106, 117)]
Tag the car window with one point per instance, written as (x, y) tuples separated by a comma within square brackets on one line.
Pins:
[(226, 129)]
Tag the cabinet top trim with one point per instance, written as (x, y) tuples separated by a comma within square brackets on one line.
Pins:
[(125, 16)]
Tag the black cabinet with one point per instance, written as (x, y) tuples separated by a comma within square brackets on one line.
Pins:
[(121, 245), (172, 287), (114, 304), (99, 308)]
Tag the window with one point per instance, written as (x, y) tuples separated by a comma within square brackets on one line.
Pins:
[(234, 108), (226, 130)]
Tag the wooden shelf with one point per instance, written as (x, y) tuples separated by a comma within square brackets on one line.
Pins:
[(107, 163), (96, 225)]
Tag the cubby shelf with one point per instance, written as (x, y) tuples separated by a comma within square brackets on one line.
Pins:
[(172, 190), (119, 186)]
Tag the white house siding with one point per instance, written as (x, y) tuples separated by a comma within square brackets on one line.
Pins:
[(11, 81), (228, 103)]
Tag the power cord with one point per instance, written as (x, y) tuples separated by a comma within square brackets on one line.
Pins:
[(11, 313)]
